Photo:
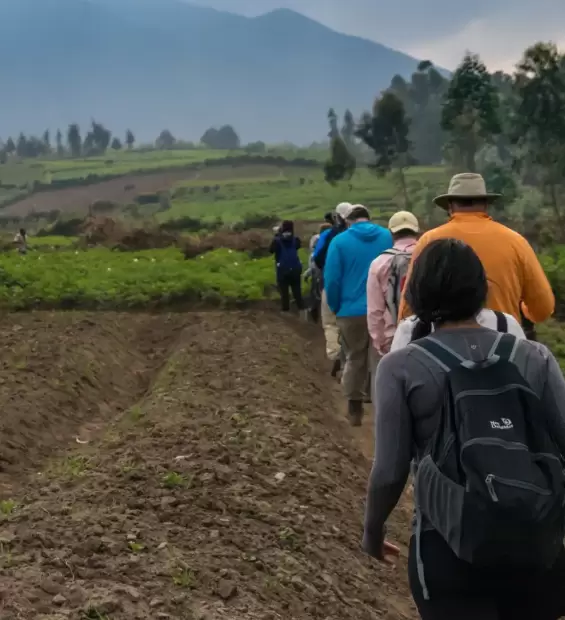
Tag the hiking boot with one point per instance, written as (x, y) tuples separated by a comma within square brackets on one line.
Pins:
[(355, 412), (336, 367)]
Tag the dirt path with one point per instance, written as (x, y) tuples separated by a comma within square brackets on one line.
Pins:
[(229, 488)]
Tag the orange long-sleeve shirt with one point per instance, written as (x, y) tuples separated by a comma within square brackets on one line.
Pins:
[(514, 273)]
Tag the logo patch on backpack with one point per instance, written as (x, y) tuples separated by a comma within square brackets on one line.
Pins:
[(492, 485)]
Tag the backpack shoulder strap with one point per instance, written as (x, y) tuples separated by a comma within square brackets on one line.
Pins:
[(504, 347), (443, 355), (501, 322)]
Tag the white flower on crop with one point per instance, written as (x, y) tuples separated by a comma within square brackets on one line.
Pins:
[(136, 260), (76, 252), (235, 264), (152, 260), (230, 251), (109, 268)]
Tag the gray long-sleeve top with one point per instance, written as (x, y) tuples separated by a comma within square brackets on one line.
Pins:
[(409, 393)]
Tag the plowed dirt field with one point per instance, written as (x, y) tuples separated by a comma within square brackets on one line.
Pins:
[(183, 466)]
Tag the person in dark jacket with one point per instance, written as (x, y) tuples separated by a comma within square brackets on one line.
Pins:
[(285, 246)]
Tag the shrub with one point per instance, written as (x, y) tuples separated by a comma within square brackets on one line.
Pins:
[(70, 227), (255, 220), (164, 201), (147, 198)]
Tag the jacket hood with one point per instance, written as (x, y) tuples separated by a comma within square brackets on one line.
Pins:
[(366, 231)]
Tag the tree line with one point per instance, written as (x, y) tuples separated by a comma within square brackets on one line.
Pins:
[(511, 127), (98, 139)]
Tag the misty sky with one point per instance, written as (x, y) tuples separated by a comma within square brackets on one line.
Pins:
[(439, 30)]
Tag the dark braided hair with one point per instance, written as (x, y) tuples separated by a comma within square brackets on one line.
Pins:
[(448, 283)]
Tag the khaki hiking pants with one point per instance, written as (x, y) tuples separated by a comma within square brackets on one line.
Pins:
[(331, 330), (356, 341)]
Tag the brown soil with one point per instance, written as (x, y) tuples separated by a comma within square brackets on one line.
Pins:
[(61, 372), (78, 199), (233, 489)]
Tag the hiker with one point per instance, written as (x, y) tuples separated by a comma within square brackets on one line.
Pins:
[(21, 241), (489, 489), (314, 275), (285, 246), (334, 350), (387, 275), (413, 328), (517, 281), (345, 280)]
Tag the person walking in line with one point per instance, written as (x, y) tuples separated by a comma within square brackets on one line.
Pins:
[(314, 276), (489, 490), (385, 284), (517, 282), (345, 279), (413, 328), (285, 246), (329, 323)]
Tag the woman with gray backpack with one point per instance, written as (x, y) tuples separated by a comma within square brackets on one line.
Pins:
[(385, 283), (482, 415)]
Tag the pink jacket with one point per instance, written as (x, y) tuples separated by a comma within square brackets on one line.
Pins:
[(379, 319)]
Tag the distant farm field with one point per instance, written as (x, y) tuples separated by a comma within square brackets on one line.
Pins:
[(225, 193), (290, 194)]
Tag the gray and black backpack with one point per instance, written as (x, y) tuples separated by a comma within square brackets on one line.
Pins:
[(491, 482)]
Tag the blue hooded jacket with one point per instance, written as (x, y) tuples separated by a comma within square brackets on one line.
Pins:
[(347, 267)]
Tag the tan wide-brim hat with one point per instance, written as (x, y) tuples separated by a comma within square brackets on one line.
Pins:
[(469, 186), (403, 220)]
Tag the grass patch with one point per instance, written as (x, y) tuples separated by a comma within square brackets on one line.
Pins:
[(71, 467), (7, 507), (93, 614), (135, 413), (136, 547), (184, 578), (173, 480)]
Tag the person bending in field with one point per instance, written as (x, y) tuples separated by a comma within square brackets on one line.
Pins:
[(21, 241), (285, 246)]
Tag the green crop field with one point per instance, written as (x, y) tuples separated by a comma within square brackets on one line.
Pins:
[(125, 163), (292, 194), (101, 278), (21, 172)]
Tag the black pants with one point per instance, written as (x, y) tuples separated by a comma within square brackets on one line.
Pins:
[(291, 281), (458, 591)]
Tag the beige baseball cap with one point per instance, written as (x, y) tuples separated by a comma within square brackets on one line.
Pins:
[(403, 220), (343, 209)]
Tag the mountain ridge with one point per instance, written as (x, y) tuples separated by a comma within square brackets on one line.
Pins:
[(153, 65)]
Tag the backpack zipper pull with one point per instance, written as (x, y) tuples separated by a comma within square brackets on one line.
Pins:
[(490, 487)]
